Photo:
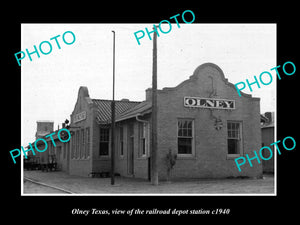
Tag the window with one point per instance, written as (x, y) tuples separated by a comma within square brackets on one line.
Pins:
[(65, 149), (82, 144), (121, 142), (185, 136), (73, 146), (87, 143), (142, 139), (50, 148), (104, 141), (130, 148), (77, 144), (234, 138)]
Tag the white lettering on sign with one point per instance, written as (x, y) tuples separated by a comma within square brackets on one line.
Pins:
[(210, 103), (80, 116)]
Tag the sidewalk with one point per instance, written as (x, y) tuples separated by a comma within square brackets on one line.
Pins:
[(85, 185)]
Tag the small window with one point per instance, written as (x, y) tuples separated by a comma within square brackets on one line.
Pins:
[(87, 143), (73, 146), (142, 137), (82, 144), (234, 138), (65, 150), (185, 136), (104, 141), (121, 142), (77, 145)]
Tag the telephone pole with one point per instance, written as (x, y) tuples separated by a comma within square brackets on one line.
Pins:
[(154, 172), (112, 175)]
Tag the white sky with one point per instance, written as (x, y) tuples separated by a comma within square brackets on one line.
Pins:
[(50, 83)]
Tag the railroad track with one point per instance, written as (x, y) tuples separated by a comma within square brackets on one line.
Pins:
[(48, 186)]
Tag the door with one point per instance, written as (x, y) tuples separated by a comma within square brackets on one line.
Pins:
[(130, 152)]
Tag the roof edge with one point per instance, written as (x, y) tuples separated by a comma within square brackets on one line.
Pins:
[(196, 72)]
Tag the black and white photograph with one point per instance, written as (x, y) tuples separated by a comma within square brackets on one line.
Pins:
[(149, 111)]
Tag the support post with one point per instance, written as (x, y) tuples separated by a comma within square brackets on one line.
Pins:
[(112, 175), (154, 172)]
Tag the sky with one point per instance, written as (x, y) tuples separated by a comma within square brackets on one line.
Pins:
[(50, 84)]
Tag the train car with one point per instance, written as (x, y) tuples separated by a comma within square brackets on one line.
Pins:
[(50, 164)]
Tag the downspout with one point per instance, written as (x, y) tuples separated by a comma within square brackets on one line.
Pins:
[(149, 163), (140, 120)]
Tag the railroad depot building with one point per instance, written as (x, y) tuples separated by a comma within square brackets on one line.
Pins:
[(203, 120)]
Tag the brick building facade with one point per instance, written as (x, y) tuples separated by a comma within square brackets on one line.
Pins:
[(202, 120), (90, 128), (267, 136), (219, 135)]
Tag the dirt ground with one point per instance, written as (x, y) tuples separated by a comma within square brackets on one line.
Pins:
[(85, 185), (32, 188)]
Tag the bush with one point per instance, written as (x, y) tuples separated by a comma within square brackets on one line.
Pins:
[(170, 162)]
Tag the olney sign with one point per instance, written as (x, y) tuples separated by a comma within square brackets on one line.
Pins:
[(209, 103), (80, 116)]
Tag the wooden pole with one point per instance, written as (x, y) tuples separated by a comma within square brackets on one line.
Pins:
[(154, 172), (113, 120)]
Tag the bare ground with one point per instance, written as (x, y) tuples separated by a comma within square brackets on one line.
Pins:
[(84, 185)]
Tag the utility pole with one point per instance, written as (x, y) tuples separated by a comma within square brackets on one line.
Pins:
[(112, 175), (154, 172)]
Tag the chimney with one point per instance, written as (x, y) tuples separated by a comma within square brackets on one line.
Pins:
[(270, 116), (148, 94)]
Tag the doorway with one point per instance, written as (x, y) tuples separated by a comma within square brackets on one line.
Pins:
[(130, 152)]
